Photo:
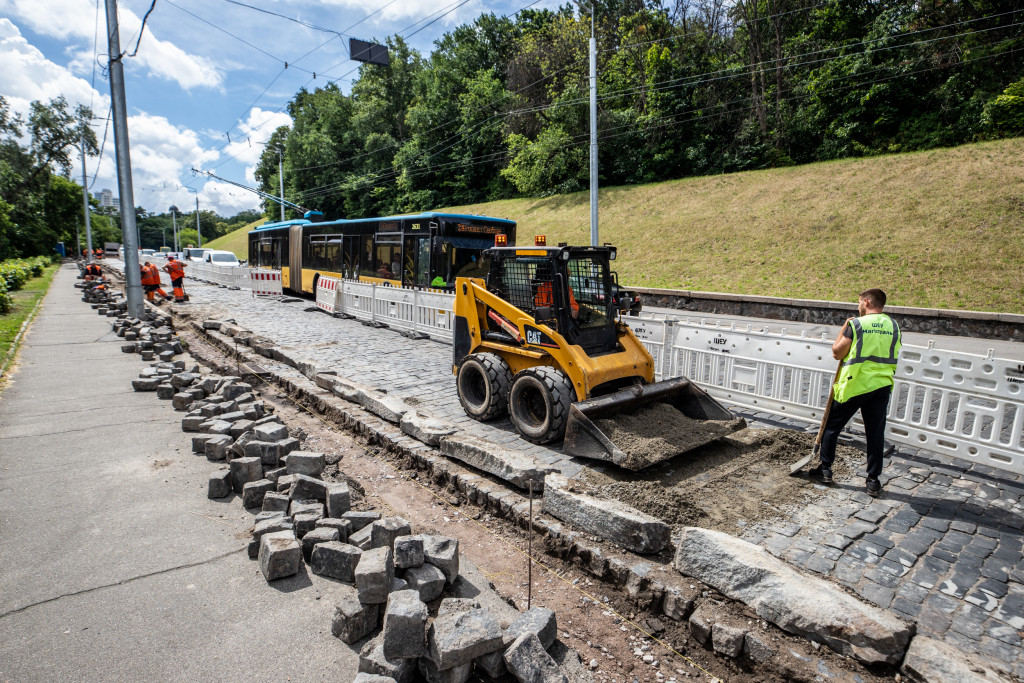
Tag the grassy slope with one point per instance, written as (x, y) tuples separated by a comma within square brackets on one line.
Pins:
[(236, 241), (942, 229), (24, 300)]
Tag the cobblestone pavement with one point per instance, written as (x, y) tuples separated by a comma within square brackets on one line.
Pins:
[(941, 547)]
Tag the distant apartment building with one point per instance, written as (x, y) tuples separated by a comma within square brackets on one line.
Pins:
[(106, 199)]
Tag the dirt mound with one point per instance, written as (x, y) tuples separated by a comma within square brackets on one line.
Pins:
[(657, 432)]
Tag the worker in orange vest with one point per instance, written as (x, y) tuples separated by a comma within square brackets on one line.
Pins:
[(151, 282), (544, 297), (176, 269)]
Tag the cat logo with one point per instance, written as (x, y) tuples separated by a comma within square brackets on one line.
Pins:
[(533, 337)]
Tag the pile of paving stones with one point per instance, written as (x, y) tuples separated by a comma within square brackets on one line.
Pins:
[(99, 294), (392, 582), (153, 339), (457, 640)]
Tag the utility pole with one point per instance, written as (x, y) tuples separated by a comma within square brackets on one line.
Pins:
[(85, 200), (174, 225), (119, 107), (593, 131), (198, 231), (280, 178)]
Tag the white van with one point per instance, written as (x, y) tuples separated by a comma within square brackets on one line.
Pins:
[(194, 254), (220, 258)]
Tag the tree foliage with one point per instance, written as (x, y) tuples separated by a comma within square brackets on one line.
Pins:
[(500, 107)]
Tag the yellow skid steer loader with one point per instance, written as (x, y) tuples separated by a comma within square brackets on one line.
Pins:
[(538, 339)]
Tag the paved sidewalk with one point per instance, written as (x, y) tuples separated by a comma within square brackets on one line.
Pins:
[(115, 564)]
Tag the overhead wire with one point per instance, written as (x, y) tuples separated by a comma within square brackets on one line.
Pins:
[(142, 30)]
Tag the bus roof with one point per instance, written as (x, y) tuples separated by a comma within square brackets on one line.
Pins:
[(412, 216)]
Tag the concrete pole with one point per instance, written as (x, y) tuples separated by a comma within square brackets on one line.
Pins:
[(85, 200), (133, 279), (593, 132), (280, 178), (198, 231), (174, 225)]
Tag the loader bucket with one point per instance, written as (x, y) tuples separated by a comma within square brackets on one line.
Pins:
[(646, 424)]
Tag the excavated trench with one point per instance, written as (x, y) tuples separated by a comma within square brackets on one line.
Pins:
[(726, 485)]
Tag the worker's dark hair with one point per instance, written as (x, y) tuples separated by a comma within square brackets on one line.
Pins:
[(875, 297)]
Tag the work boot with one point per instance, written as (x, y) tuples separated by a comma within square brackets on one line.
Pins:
[(821, 473), (874, 488)]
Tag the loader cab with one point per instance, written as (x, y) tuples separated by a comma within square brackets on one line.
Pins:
[(567, 288)]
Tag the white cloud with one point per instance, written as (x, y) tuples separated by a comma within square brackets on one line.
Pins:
[(255, 130), (227, 200), (28, 75), (161, 153), (75, 20)]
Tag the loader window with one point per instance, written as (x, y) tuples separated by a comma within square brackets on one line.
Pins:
[(588, 278), (526, 283)]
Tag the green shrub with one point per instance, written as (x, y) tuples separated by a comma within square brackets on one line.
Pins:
[(16, 272), (5, 297)]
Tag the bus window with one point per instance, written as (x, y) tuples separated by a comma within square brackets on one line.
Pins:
[(389, 261), (389, 255), (332, 254)]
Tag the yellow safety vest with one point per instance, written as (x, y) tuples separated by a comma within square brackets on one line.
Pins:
[(871, 361)]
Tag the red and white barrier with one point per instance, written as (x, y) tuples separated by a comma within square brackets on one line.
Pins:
[(327, 294), (265, 282)]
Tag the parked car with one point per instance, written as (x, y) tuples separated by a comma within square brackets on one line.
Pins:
[(194, 253), (220, 258)]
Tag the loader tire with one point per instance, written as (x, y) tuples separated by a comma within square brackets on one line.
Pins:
[(483, 382), (538, 403)]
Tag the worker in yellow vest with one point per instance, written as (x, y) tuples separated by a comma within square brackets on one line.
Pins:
[(869, 346)]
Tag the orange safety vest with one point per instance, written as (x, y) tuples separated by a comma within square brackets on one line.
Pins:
[(175, 270), (93, 269), (544, 297), (150, 275)]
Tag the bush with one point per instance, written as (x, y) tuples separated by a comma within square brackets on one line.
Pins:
[(16, 272), (5, 297)]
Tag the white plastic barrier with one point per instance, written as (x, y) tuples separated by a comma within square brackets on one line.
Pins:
[(241, 278), (265, 282), (414, 310), (395, 307), (967, 406), (357, 299)]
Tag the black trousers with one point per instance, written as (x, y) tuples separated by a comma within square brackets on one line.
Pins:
[(873, 407)]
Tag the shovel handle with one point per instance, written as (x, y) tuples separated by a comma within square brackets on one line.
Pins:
[(828, 407)]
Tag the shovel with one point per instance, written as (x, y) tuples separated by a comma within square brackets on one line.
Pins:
[(799, 464)]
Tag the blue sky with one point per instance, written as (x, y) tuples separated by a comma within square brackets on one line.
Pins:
[(194, 81)]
